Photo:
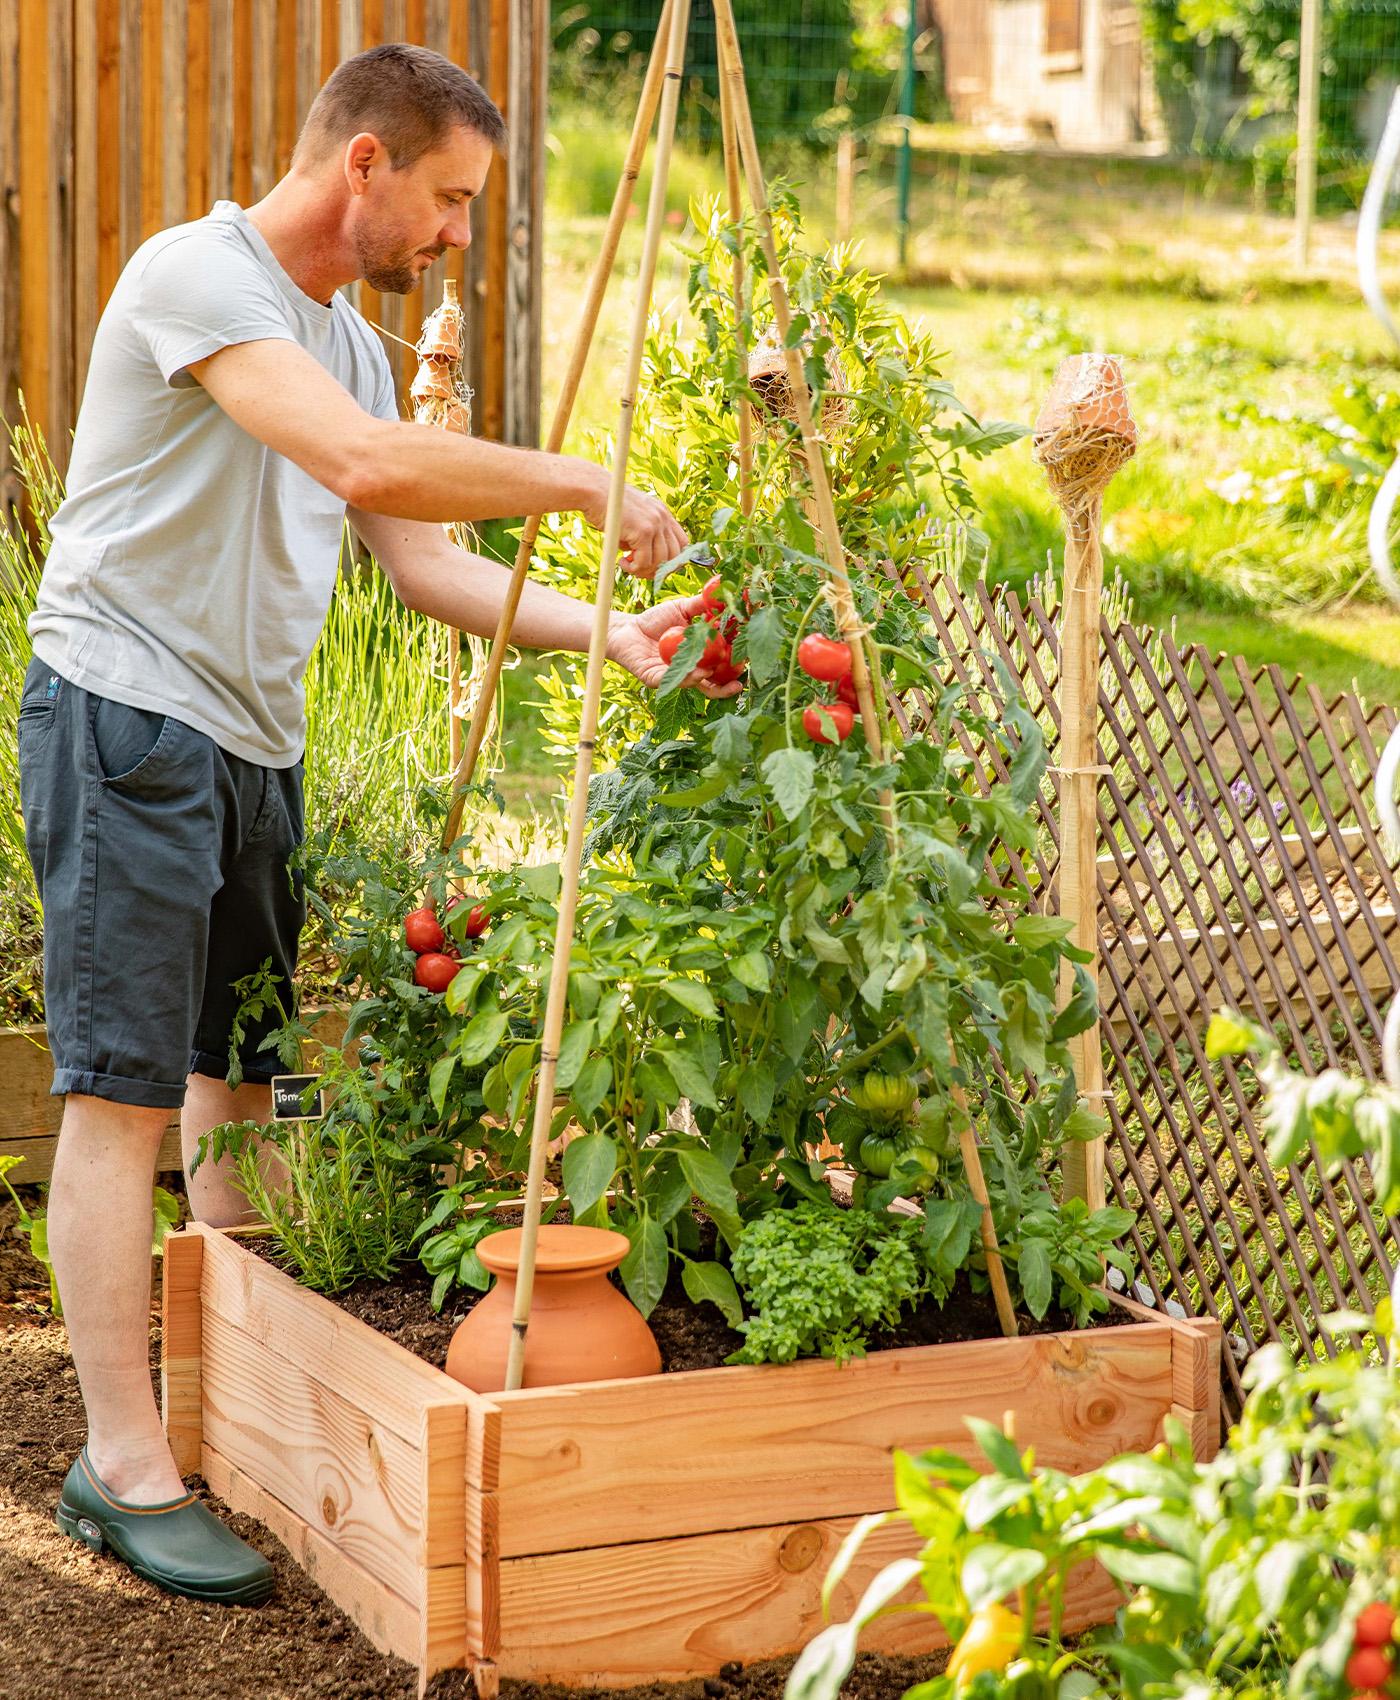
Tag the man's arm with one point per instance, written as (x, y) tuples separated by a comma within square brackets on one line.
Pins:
[(430, 574), (285, 398)]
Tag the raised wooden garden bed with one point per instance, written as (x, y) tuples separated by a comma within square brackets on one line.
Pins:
[(615, 1532)]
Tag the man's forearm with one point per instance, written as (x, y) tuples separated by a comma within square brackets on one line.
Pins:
[(468, 591), (420, 472)]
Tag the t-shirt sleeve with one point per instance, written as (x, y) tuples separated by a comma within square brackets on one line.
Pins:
[(193, 300), (386, 401)]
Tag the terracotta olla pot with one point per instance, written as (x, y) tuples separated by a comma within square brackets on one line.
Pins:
[(581, 1327)]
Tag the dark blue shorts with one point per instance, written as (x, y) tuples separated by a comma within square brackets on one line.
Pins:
[(162, 868)]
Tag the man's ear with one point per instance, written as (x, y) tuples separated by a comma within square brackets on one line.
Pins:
[(362, 153)]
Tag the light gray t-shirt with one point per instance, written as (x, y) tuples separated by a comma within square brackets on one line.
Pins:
[(192, 567)]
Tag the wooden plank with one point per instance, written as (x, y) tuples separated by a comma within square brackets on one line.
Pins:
[(175, 112), (308, 59), (263, 137), (490, 380), (198, 130), (83, 301), (483, 1573), (62, 401), (129, 62), (181, 1347), (221, 101), (668, 1610), (110, 150), (621, 1461), (1258, 941), (10, 262), (152, 118), (391, 1622), (288, 18), (354, 1362), (35, 187), (326, 1457), (243, 102), (330, 42), (519, 369), (30, 1128)]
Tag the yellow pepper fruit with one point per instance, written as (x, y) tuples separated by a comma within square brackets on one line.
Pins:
[(990, 1642)]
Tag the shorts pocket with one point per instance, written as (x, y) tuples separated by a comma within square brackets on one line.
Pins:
[(38, 704), (135, 748)]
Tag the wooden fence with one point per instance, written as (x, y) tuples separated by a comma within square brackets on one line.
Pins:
[(1238, 868), (121, 117)]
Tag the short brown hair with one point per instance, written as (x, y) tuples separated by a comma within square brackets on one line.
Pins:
[(407, 96)]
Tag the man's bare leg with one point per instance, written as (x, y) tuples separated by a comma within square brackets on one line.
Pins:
[(208, 1102), (100, 1241)]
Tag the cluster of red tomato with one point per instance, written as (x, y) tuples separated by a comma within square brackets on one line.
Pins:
[(716, 663), (438, 957), (829, 660), (1372, 1661)]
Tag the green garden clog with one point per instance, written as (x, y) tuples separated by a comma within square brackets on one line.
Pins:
[(181, 1546)]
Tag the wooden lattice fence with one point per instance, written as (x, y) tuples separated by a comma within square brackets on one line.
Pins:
[(1238, 867)]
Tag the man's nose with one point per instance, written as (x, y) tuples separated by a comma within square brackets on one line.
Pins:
[(457, 232)]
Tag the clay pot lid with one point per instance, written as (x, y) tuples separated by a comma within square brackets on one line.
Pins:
[(563, 1248)]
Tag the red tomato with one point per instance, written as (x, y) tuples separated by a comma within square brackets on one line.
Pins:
[(1368, 1667), (725, 674), (823, 657), (422, 930), (477, 922), (434, 971), (712, 598), (846, 691), (841, 717), (669, 643), (1376, 1624), (715, 653)]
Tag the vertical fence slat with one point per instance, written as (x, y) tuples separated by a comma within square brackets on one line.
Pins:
[(391, 307), (491, 388), (288, 66), (62, 400), (263, 139), (308, 52), (198, 126), (525, 172), (9, 245), (241, 115), (85, 180), (109, 149), (221, 63), (174, 110), (330, 42), (35, 188), (371, 18), (464, 269), (129, 152), (152, 119)]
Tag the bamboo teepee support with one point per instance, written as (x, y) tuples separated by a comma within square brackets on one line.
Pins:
[(1085, 432), (731, 69), (464, 764), (679, 22), (729, 137)]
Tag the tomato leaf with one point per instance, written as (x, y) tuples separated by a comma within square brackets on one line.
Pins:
[(791, 776), (481, 1036)]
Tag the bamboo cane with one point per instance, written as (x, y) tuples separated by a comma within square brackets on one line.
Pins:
[(593, 687), (1085, 432), (730, 140), (464, 763), (731, 67)]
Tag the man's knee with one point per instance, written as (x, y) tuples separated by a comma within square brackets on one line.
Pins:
[(88, 1119)]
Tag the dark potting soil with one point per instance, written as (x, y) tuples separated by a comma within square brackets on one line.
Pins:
[(78, 1625), (690, 1336)]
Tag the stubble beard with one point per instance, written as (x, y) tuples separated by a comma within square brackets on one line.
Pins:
[(391, 274)]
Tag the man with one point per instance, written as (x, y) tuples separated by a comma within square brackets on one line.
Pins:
[(236, 409)]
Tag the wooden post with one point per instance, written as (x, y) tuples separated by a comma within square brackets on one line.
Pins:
[(1305, 175), (464, 765), (181, 1347), (845, 183), (593, 688), (1085, 432), (730, 138)]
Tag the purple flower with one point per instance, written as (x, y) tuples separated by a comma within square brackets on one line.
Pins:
[(1243, 793)]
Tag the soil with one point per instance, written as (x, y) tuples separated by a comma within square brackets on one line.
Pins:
[(75, 1624), (690, 1336)]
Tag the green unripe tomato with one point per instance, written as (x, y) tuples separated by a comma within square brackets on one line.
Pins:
[(887, 1095), (877, 1154)]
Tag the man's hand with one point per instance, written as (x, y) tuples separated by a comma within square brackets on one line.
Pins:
[(633, 640), (649, 534)]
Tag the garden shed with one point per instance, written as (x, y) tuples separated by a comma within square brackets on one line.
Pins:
[(119, 118)]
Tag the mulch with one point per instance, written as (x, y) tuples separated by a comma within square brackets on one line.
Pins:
[(82, 1626)]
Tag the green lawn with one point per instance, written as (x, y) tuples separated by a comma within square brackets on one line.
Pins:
[(1223, 345)]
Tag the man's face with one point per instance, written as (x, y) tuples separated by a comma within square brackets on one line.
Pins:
[(404, 220)]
